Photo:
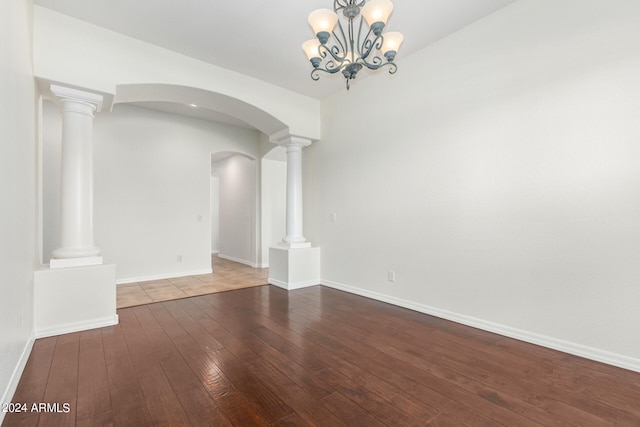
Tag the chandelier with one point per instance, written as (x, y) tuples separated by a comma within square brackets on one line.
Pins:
[(337, 47)]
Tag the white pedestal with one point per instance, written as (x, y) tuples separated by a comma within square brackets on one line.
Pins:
[(74, 262), (294, 268), (74, 299)]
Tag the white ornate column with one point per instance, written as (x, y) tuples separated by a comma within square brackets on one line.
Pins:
[(84, 296), (294, 146), (76, 179), (294, 264)]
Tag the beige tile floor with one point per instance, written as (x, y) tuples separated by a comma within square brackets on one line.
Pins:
[(227, 275)]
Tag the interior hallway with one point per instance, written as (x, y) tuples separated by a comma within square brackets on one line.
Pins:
[(227, 275)]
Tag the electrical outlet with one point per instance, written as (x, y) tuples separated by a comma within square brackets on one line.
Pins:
[(333, 217), (391, 276), (179, 258)]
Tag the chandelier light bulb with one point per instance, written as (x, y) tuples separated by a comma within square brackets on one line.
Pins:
[(310, 47), (323, 22), (376, 13), (391, 44)]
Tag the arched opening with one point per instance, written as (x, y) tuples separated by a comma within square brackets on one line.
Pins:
[(268, 170), (202, 101)]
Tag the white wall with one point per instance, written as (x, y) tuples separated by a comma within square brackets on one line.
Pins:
[(18, 188), (215, 214), (497, 174), (238, 221), (274, 205), (151, 188), (51, 164)]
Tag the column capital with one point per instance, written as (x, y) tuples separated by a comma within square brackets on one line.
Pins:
[(293, 141), (65, 95)]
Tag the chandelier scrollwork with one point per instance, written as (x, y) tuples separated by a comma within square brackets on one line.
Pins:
[(347, 44)]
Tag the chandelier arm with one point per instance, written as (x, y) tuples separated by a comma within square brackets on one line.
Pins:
[(358, 44), (378, 63), (324, 70), (333, 51), (364, 48), (352, 47), (375, 63), (369, 44), (315, 76), (341, 41)]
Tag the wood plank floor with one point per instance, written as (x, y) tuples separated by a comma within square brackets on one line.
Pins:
[(264, 357)]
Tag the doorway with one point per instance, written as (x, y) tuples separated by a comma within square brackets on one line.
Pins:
[(234, 207)]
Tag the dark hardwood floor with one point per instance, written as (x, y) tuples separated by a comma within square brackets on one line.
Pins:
[(317, 356)]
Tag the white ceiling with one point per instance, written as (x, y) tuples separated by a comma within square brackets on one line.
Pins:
[(262, 38)]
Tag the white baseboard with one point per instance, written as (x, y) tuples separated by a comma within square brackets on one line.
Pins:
[(162, 276), (77, 326), (242, 261), (621, 361), (8, 393), (292, 286)]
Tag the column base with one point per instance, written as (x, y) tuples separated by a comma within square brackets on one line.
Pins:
[(294, 245), (74, 299), (74, 262), (294, 267)]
